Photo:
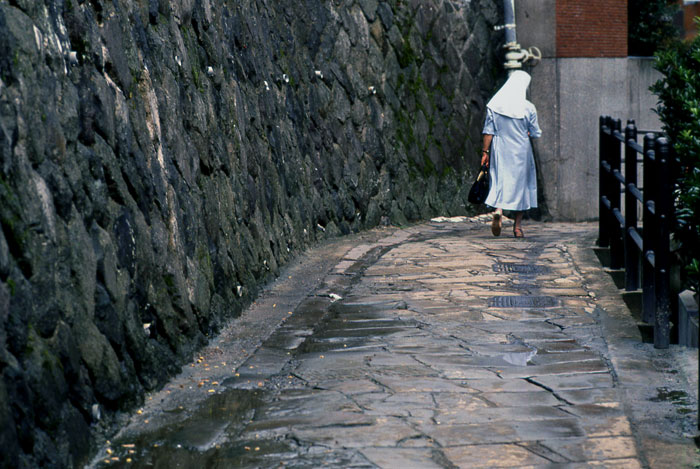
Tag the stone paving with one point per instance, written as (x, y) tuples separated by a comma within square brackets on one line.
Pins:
[(438, 346)]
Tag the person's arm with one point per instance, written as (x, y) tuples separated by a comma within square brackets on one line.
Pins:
[(486, 150), (533, 126)]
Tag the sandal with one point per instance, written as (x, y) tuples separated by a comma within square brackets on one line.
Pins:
[(496, 224), (518, 233)]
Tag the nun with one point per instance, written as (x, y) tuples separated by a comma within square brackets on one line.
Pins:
[(511, 120)]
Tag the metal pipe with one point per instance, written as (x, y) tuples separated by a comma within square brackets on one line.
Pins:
[(509, 25), (515, 55)]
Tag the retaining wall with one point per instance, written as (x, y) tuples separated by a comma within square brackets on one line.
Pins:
[(160, 160)]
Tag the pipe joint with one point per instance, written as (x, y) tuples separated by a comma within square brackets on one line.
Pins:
[(504, 26), (516, 56)]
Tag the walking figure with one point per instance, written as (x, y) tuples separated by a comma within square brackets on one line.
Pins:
[(511, 120)]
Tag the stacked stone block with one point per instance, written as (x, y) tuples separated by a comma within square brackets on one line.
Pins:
[(159, 161)]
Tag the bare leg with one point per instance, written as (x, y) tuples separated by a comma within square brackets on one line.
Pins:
[(496, 222), (517, 226)]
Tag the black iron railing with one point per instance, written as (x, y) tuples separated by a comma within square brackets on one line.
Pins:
[(640, 246)]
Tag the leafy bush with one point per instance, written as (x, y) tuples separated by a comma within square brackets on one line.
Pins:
[(650, 25), (679, 109)]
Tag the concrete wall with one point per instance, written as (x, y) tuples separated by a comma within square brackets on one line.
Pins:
[(641, 74), (570, 94)]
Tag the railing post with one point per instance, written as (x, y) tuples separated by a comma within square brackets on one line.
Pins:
[(603, 230), (648, 231), (616, 239), (664, 215), (631, 252)]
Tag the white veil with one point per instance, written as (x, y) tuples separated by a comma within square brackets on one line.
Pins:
[(510, 100)]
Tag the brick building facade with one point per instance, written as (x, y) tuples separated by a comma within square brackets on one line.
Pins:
[(594, 28), (691, 10), (599, 28)]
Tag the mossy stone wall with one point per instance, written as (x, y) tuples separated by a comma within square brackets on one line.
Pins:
[(161, 160)]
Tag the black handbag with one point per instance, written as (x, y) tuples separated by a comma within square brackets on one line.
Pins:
[(480, 188)]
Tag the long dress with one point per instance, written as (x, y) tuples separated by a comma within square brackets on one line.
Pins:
[(512, 165)]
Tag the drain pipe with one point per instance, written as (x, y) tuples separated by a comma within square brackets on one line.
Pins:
[(515, 55), (509, 17)]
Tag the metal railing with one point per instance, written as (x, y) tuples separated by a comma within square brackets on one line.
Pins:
[(641, 247)]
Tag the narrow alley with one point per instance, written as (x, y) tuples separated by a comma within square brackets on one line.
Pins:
[(436, 345)]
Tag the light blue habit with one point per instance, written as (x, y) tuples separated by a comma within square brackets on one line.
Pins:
[(512, 165)]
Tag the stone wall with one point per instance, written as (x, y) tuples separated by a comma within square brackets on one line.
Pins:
[(160, 160)]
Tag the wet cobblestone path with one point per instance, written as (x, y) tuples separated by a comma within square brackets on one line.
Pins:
[(439, 346)]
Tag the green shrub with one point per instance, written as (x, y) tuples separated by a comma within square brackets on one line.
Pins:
[(679, 110), (650, 25)]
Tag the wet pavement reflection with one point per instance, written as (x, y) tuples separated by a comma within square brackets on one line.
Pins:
[(402, 358)]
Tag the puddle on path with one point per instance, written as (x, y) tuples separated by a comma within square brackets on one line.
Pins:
[(680, 399), (519, 358), (674, 397), (192, 441), (236, 428), (229, 428)]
